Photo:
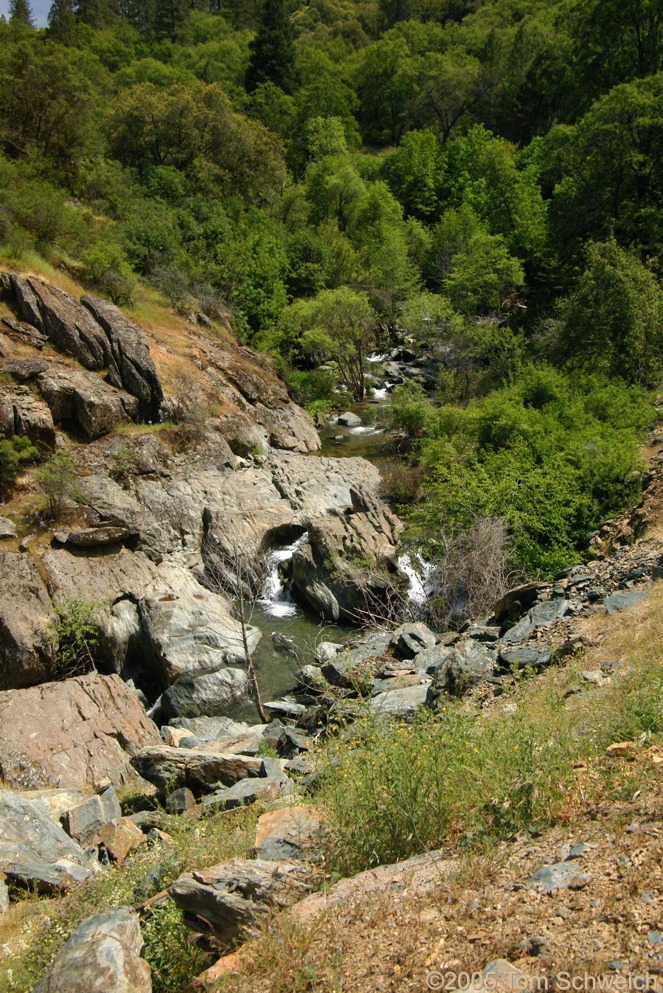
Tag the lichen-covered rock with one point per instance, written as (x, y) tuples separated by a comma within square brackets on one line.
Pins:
[(26, 415), (229, 900), (72, 733), (86, 402), (103, 955), (131, 367), (27, 618)]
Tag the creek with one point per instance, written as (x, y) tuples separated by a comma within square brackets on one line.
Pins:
[(290, 632)]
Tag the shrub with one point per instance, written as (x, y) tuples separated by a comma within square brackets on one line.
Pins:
[(14, 452), (57, 478), (76, 636), (105, 268)]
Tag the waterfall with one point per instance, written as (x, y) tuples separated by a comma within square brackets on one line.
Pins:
[(276, 597), (418, 572)]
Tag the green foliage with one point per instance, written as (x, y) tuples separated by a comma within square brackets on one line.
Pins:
[(553, 455), (272, 52), (76, 635), (14, 453), (614, 318), (57, 478), (396, 790), (175, 960), (105, 268)]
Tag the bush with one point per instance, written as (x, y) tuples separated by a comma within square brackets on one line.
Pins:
[(76, 636), (14, 453), (393, 790), (105, 268), (57, 478)]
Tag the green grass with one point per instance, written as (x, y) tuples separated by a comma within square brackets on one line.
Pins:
[(35, 931), (393, 790)]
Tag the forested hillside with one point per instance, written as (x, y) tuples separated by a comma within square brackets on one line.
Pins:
[(332, 174)]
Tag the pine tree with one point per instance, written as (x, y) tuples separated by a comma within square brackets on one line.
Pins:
[(272, 58), (20, 12), (62, 21), (96, 13)]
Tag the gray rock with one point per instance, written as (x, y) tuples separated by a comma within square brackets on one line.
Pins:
[(560, 876), (410, 639), (501, 976), (27, 622), (311, 679), (400, 703), (525, 658), (25, 415), (243, 793), (34, 849), (84, 820), (229, 900), (284, 708), (622, 601), (84, 401), (209, 694), (469, 664), (7, 529), (513, 604), (327, 650), (209, 728), (25, 333), (94, 537), (4, 895), (349, 420), (430, 660), (180, 801), (538, 617), (483, 633), (131, 366), (77, 732), (202, 770), (103, 955)]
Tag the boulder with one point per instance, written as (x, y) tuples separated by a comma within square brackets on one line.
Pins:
[(209, 694), (121, 837), (7, 529), (77, 732), (86, 402), (27, 334), (103, 955), (513, 604), (228, 901), (621, 601), (191, 630), (202, 769), (27, 619), (34, 850), (560, 876), (84, 820), (245, 792), (349, 420), (131, 366), (94, 537), (537, 617), (530, 657), (209, 728), (68, 325), (469, 664), (400, 703), (288, 833), (26, 415), (410, 639)]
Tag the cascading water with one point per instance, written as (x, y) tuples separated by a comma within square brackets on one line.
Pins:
[(419, 574), (276, 597)]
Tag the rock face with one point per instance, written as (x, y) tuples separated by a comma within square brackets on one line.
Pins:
[(132, 367), (201, 770), (86, 402), (34, 849), (103, 955), (79, 731), (24, 414), (228, 900), (27, 645)]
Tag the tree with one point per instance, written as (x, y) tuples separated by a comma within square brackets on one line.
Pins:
[(233, 571), (614, 319), (62, 21), (20, 12), (272, 51), (338, 325)]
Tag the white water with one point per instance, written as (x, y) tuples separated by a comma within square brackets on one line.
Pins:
[(275, 598), (376, 357), (419, 575), (365, 429)]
